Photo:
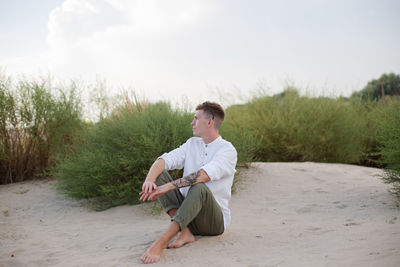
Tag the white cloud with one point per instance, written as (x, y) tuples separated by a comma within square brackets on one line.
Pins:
[(132, 43)]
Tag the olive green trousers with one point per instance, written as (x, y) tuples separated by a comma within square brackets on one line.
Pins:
[(199, 210)]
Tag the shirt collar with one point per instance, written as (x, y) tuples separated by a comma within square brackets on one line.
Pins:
[(213, 142)]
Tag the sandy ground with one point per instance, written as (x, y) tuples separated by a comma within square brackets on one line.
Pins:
[(283, 214)]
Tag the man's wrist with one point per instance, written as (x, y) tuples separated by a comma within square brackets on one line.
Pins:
[(171, 186), (149, 180)]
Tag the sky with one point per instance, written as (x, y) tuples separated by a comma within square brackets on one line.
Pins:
[(219, 50)]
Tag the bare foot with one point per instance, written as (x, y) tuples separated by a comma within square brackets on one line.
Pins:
[(185, 237), (153, 254)]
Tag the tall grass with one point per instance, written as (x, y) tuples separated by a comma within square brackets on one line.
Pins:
[(111, 163), (389, 139), (288, 127), (37, 121), (235, 129)]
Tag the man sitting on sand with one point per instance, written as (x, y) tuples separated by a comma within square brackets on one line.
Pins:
[(198, 203)]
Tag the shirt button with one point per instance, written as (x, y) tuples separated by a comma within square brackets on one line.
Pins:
[(206, 154), (206, 145)]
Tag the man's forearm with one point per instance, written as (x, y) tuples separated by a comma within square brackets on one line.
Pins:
[(155, 170), (192, 179)]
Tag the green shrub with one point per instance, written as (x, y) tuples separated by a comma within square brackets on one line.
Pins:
[(287, 127), (37, 121), (111, 163), (389, 138), (235, 130), (386, 85)]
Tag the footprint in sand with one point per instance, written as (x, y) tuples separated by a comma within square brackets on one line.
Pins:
[(313, 229), (351, 224), (6, 213), (299, 169), (392, 221), (306, 209), (317, 179), (319, 190), (343, 206)]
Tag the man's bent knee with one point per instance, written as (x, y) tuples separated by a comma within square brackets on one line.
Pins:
[(199, 186), (200, 189), (163, 178)]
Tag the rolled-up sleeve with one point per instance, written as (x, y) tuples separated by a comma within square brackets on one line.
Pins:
[(175, 159), (223, 164)]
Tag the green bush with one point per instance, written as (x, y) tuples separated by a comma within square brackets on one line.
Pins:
[(235, 130), (37, 121), (111, 163), (389, 138), (287, 127), (386, 85)]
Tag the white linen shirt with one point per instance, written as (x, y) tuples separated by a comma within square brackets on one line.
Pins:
[(217, 159)]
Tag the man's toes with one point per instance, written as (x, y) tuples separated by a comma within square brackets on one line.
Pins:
[(175, 244), (149, 259), (145, 258)]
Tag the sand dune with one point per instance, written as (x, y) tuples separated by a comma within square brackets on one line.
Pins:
[(283, 214)]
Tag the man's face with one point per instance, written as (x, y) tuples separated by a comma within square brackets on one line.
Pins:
[(200, 124)]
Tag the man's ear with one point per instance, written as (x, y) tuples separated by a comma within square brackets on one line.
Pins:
[(210, 122)]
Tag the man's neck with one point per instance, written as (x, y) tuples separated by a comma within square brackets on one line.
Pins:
[(209, 138)]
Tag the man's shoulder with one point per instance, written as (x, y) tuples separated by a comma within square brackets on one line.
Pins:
[(194, 139), (226, 144)]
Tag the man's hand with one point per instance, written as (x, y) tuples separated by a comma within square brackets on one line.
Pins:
[(147, 188), (157, 192), (149, 185)]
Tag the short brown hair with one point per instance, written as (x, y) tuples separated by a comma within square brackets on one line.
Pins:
[(213, 110)]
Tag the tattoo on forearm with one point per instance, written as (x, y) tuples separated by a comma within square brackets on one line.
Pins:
[(187, 180)]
